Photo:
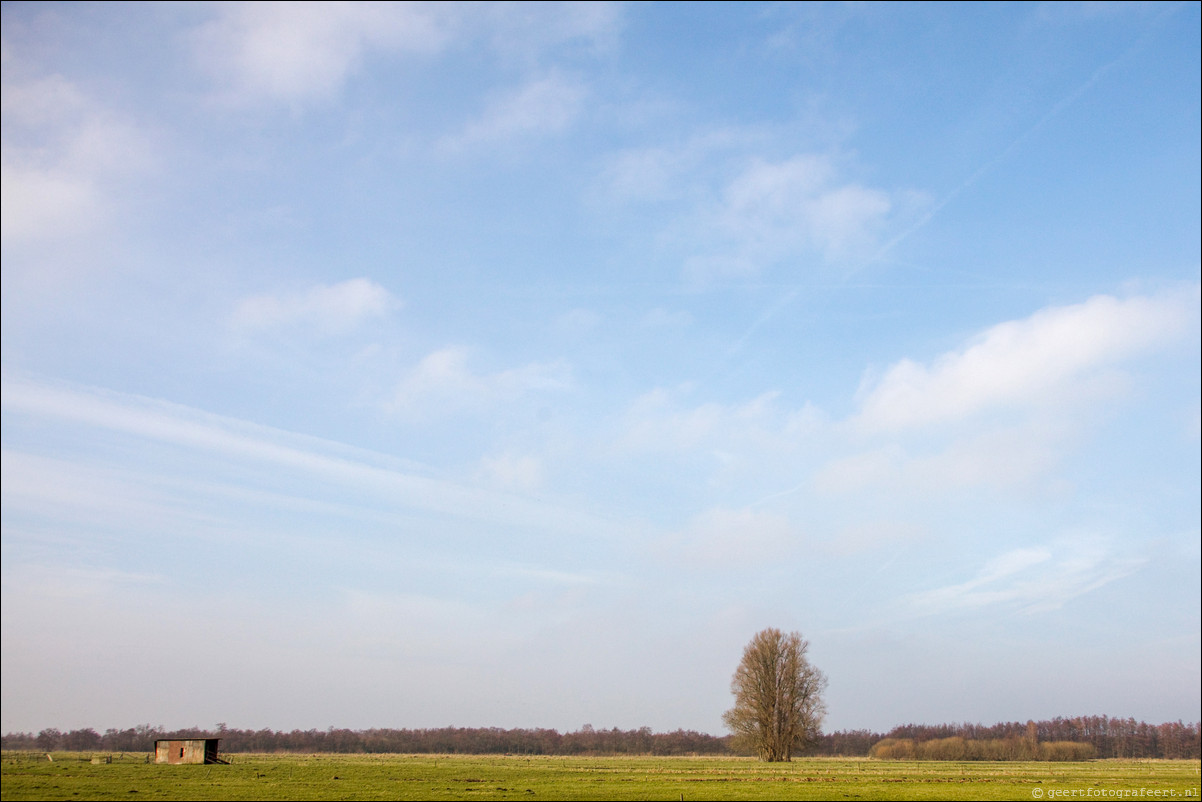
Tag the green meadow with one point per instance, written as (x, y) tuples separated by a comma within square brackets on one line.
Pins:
[(130, 777)]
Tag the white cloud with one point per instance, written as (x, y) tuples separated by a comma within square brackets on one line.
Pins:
[(301, 52), (63, 157), (39, 201), (1002, 412), (327, 309), (1048, 359), (800, 202), (1058, 360), (305, 51), (546, 105), (775, 210), (442, 382)]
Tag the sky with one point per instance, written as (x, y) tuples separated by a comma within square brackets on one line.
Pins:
[(491, 365)]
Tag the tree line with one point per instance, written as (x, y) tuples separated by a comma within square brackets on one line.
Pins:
[(444, 740), (1108, 737)]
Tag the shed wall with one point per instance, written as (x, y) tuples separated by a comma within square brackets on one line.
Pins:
[(191, 750)]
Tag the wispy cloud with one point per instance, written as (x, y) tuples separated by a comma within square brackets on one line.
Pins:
[(311, 460), (800, 208), (443, 382), (744, 213), (75, 495), (542, 106), (674, 171), (660, 421), (324, 308), (800, 202), (1032, 580)]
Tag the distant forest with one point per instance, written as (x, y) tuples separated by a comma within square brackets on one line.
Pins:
[(1109, 737)]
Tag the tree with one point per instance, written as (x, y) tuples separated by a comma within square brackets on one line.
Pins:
[(778, 697)]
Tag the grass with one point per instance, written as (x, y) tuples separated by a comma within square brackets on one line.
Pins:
[(26, 775)]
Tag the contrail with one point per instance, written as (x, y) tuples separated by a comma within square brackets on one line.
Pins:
[(1018, 142)]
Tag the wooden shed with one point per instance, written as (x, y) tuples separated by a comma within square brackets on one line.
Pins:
[(187, 750)]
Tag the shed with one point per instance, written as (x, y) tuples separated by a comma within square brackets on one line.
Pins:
[(187, 750)]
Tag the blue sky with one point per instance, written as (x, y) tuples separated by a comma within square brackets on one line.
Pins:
[(512, 365)]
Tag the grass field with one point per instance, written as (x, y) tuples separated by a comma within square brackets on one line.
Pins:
[(130, 777)]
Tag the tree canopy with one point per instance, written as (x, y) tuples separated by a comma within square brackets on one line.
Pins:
[(778, 696)]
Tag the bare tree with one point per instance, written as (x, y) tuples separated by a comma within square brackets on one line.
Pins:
[(778, 696)]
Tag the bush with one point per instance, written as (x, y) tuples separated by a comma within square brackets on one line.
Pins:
[(1066, 750), (957, 748)]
